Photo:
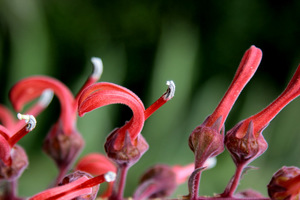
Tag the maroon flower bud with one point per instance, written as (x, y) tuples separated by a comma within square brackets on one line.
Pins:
[(129, 153), (285, 184), (243, 150), (75, 176), (207, 140), (19, 163), (61, 147)]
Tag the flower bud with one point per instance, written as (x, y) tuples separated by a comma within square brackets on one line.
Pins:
[(62, 148), (285, 184), (246, 148), (206, 142), (129, 153), (19, 163)]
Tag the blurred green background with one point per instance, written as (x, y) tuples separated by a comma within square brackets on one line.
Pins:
[(198, 44)]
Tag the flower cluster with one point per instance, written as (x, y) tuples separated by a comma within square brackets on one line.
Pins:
[(125, 145)]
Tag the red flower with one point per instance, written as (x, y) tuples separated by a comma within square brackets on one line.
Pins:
[(102, 94), (63, 142), (97, 164), (80, 187), (245, 141), (124, 145), (13, 159), (207, 139)]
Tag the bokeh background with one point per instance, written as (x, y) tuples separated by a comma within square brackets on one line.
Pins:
[(198, 44)]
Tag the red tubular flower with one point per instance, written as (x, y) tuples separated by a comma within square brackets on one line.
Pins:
[(97, 164), (124, 145), (245, 141), (285, 184), (206, 140), (63, 143), (13, 159), (102, 94), (78, 186)]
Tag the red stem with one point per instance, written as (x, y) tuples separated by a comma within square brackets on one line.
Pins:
[(119, 185)]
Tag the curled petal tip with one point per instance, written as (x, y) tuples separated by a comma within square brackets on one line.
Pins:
[(98, 67), (29, 119), (110, 176), (46, 98), (170, 91)]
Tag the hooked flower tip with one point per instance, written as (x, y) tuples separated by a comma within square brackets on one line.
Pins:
[(110, 176), (29, 119), (98, 67), (170, 91)]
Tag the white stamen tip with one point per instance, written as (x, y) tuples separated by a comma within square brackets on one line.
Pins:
[(170, 91), (110, 176), (46, 97), (210, 163), (98, 67), (29, 119)]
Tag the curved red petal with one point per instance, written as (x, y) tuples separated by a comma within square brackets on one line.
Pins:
[(30, 88), (102, 94)]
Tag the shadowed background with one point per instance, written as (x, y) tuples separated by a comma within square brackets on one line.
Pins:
[(198, 44)]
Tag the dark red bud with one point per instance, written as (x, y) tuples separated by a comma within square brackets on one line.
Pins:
[(75, 176), (206, 142), (157, 182), (246, 148), (285, 184), (62, 148), (19, 163), (129, 153)]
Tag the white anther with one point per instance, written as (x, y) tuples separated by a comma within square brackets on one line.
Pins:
[(170, 91), (98, 67), (29, 119), (110, 176), (210, 163), (46, 97)]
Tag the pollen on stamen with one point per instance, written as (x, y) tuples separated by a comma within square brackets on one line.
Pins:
[(170, 91), (46, 98), (98, 67), (110, 176), (29, 119)]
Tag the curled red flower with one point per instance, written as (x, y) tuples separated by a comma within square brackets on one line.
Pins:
[(97, 164), (63, 142), (125, 145)]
